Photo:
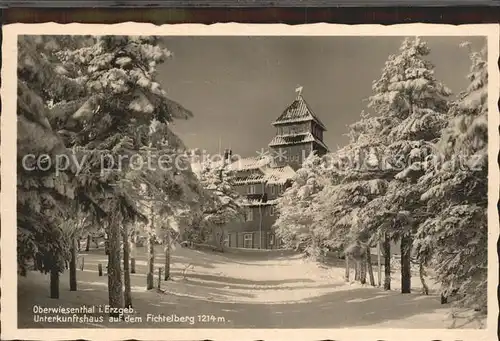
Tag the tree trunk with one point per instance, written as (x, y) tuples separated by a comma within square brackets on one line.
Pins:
[(54, 283), (362, 271), (127, 296), (379, 264), (114, 267), (370, 267), (405, 264), (347, 269), (159, 278), (356, 270), (151, 262), (167, 256), (444, 299), (87, 246), (133, 252), (425, 288), (387, 263), (72, 266)]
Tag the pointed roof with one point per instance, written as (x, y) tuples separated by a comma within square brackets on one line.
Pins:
[(298, 111)]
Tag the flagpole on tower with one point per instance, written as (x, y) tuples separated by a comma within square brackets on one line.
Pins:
[(298, 90)]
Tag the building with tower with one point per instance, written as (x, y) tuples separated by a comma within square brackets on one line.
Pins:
[(264, 178), (298, 133)]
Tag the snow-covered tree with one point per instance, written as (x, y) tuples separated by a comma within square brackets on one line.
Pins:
[(294, 225), (222, 203), (44, 198), (107, 124), (453, 239), (356, 180), (415, 103)]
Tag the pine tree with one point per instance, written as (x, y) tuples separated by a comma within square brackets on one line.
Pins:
[(294, 225), (107, 119), (453, 239), (355, 179), (44, 198), (410, 96)]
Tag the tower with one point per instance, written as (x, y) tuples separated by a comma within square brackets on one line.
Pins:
[(298, 132)]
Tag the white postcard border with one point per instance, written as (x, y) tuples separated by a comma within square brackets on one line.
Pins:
[(8, 173)]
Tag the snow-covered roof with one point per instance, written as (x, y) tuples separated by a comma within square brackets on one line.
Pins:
[(257, 202), (270, 175), (253, 178), (249, 163), (279, 175), (196, 166), (298, 111), (281, 140)]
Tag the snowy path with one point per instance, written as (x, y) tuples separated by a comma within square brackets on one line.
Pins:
[(240, 291)]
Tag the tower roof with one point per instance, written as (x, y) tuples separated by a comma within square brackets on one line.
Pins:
[(298, 111), (283, 140)]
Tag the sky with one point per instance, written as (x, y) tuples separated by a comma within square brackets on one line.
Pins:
[(237, 86)]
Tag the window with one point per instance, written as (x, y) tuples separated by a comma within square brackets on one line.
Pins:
[(251, 189), (271, 239), (272, 210), (227, 240), (273, 189), (247, 240), (250, 214)]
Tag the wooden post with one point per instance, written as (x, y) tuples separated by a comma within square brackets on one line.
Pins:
[(99, 269), (379, 264), (159, 278), (132, 265), (83, 263)]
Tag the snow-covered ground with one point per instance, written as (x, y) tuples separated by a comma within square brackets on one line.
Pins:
[(241, 290)]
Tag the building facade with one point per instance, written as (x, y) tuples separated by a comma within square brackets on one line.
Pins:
[(261, 180)]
